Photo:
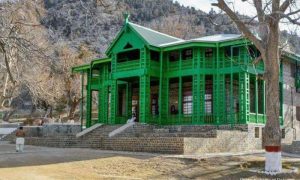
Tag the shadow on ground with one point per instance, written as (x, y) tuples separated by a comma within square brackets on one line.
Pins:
[(34, 155)]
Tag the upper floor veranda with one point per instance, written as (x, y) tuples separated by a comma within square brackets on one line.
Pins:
[(138, 51)]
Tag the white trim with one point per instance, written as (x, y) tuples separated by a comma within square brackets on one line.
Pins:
[(88, 130), (120, 129), (175, 38), (273, 162)]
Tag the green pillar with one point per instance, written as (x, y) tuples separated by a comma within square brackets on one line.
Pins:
[(232, 111), (81, 99), (113, 101), (88, 100), (129, 100), (244, 97), (166, 110), (144, 98), (264, 100), (163, 91), (103, 95), (197, 91), (256, 99), (180, 112), (281, 102)]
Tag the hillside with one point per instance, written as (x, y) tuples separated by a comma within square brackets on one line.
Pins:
[(95, 23)]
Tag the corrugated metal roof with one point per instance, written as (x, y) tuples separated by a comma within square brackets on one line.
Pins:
[(154, 38), (219, 38), (209, 39)]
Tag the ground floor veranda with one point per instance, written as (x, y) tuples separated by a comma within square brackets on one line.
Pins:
[(237, 98)]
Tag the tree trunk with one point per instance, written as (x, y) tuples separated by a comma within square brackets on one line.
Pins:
[(272, 132), (73, 106), (7, 115)]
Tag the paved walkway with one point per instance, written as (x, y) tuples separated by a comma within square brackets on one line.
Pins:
[(35, 155)]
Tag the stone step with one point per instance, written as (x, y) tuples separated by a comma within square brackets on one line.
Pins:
[(4, 142), (192, 134), (9, 125)]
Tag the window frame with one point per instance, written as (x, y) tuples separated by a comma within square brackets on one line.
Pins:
[(176, 58), (185, 56)]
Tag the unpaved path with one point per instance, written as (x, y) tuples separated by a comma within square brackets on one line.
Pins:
[(52, 163)]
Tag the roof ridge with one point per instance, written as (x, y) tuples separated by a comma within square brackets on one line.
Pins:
[(131, 23)]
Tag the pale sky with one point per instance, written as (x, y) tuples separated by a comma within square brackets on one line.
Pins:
[(242, 7)]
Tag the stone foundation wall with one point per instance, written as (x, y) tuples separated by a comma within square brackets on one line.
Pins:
[(294, 147), (226, 141), (179, 140), (48, 130)]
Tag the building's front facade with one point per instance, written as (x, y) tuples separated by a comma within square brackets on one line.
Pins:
[(160, 79)]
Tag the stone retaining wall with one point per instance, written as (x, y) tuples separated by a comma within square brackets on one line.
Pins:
[(47, 130), (294, 147), (183, 141)]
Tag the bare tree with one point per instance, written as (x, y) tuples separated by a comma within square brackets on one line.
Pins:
[(22, 46), (58, 87), (269, 14)]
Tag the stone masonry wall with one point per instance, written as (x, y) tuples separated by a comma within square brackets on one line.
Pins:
[(225, 141), (179, 140), (291, 100)]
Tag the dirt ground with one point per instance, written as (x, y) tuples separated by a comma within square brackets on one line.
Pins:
[(52, 163)]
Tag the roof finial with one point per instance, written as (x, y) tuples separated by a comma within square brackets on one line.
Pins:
[(126, 16)]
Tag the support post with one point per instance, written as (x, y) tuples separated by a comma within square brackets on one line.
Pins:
[(129, 100), (89, 100), (113, 101), (81, 101), (160, 99), (180, 99), (256, 100), (144, 98), (264, 100)]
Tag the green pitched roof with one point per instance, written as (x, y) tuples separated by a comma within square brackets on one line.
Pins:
[(152, 37), (85, 67)]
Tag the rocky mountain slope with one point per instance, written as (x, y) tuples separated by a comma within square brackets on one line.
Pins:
[(96, 22)]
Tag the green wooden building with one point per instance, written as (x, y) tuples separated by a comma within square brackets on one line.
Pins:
[(164, 80)]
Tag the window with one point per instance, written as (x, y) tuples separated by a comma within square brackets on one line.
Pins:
[(229, 51), (174, 56), (208, 95), (208, 52), (187, 103), (95, 72), (187, 54), (128, 55), (282, 133), (173, 95), (256, 132), (298, 113), (252, 94), (95, 105), (187, 95), (261, 95), (154, 55)]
